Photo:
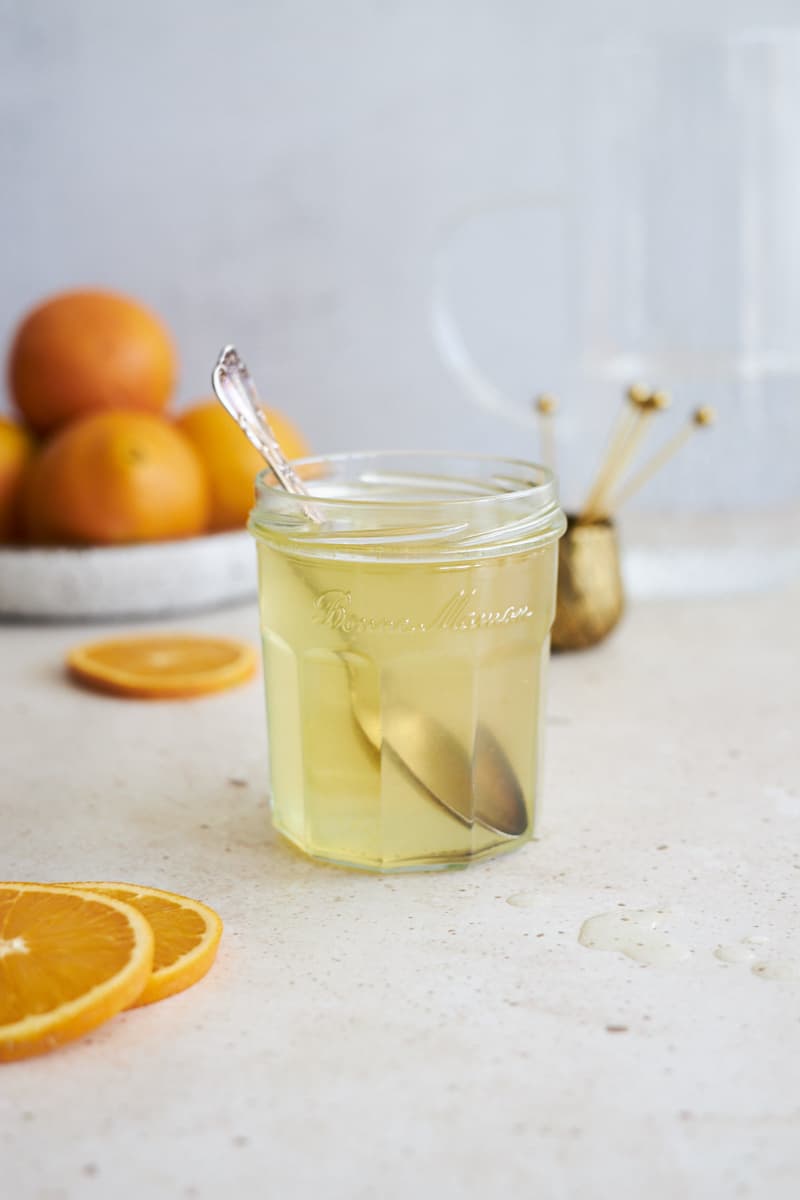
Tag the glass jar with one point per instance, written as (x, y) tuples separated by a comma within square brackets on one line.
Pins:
[(405, 614)]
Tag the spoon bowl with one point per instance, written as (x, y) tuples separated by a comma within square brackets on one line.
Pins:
[(477, 789)]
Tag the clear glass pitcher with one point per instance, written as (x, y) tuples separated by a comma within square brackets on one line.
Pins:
[(668, 253)]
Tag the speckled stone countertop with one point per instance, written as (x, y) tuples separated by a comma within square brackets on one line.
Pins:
[(442, 1035)]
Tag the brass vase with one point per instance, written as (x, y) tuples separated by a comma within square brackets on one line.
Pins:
[(590, 599)]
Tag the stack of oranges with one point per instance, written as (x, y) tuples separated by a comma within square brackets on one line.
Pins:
[(96, 458)]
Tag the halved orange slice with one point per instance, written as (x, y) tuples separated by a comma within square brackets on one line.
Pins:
[(69, 960), (186, 935), (162, 666)]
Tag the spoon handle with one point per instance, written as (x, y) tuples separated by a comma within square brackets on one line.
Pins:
[(235, 390)]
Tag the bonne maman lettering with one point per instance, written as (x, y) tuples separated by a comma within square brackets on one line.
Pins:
[(334, 608)]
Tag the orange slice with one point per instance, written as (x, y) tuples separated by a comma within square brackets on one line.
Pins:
[(186, 935), (164, 666), (68, 962)]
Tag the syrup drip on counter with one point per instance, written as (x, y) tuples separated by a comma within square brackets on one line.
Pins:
[(785, 969), (637, 934), (752, 951), (746, 951)]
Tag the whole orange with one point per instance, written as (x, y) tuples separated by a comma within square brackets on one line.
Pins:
[(115, 477), (16, 451), (230, 461), (85, 351)]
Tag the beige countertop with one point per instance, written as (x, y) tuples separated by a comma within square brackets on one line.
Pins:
[(442, 1035)]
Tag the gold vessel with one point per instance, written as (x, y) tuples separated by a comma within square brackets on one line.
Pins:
[(590, 599)]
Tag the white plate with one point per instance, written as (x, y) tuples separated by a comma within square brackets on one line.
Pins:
[(146, 580)]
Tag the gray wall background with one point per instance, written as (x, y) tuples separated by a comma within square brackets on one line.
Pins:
[(280, 174)]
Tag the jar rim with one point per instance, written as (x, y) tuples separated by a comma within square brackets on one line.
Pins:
[(402, 501), (545, 483)]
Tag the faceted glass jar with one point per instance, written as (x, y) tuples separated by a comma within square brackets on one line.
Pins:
[(406, 609)]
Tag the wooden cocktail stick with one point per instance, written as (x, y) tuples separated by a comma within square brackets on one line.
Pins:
[(701, 418), (546, 406), (637, 399)]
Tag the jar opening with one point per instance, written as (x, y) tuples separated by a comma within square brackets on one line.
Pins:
[(390, 504)]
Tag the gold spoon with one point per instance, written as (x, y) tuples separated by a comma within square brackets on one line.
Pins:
[(481, 789)]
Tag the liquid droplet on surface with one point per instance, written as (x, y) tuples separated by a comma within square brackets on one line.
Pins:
[(522, 900), (779, 969), (747, 950), (738, 953), (636, 934)]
